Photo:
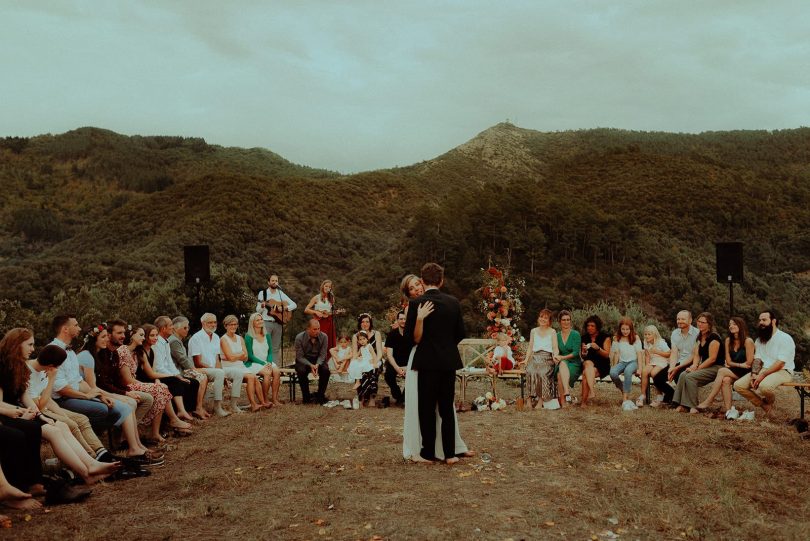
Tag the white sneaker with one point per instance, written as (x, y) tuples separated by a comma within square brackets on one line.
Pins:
[(628, 405), (732, 414), (355, 404), (659, 397), (552, 404), (346, 404), (331, 403), (746, 416)]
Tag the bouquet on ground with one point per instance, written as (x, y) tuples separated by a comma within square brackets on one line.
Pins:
[(489, 402)]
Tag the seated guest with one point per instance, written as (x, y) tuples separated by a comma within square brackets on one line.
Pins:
[(183, 362), (102, 376), (683, 341), (340, 357), (20, 440), (178, 385), (569, 344), (365, 323), (128, 366), (40, 388), (739, 350), (397, 350), (705, 356), (627, 354), (15, 348), (543, 356), (595, 353), (205, 351), (191, 398), (70, 390), (501, 357), (656, 355), (310, 357), (363, 371), (234, 354), (260, 358), (776, 352)]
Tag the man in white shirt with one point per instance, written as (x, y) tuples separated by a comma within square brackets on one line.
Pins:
[(683, 341), (192, 396), (204, 348), (269, 298), (777, 353), (71, 392)]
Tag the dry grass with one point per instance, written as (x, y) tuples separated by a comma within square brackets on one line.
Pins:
[(307, 472)]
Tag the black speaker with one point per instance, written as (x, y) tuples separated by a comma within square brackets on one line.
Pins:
[(729, 262), (198, 268)]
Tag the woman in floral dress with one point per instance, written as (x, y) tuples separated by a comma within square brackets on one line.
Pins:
[(159, 391)]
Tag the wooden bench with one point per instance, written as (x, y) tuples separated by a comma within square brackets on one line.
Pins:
[(803, 388), (475, 357)]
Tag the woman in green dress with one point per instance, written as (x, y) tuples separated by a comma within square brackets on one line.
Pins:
[(569, 369)]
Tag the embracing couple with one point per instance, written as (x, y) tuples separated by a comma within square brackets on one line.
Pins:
[(435, 327)]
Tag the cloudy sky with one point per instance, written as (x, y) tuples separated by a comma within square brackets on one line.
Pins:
[(363, 84)]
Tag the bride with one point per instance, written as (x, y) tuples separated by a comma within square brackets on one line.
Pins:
[(412, 288)]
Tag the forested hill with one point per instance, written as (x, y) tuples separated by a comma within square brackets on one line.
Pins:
[(583, 216)]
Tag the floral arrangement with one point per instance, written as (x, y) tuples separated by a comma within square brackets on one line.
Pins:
[(489, 402), (501, 306)]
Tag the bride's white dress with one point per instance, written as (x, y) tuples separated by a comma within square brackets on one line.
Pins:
[(411, 436)]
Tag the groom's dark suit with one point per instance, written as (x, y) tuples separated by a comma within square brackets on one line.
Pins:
[(436, 360)]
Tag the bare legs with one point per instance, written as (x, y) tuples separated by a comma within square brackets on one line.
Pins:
[(588, 382), (563, 375), (723, 382), (271, 375), (200, 408), (254, 392), (70, 451), (12, 497), (181, 409), (647, 373)]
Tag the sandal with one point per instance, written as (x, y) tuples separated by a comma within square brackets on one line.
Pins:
[(640, 401)]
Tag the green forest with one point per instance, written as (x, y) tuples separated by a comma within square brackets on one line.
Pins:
[(94, 223)]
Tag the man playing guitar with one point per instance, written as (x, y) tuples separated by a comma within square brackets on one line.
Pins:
[(276, 309)]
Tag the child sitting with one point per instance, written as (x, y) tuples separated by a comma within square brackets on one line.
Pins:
[(363, 370), (501, 357), (340, 357)]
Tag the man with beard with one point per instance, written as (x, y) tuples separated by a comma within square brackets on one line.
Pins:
[(71, 392), (774, 362), (118, 332), (269, 306)]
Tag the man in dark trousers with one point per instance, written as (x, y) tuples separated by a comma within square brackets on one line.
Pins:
[(436, 360)]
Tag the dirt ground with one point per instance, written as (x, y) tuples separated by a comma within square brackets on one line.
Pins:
[(309, 472)]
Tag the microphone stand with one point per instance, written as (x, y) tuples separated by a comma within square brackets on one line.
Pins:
[(281, 322)]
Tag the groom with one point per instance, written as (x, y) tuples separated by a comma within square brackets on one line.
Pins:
[(436, 359)]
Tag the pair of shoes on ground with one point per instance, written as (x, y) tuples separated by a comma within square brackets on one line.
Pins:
[(733, 415)]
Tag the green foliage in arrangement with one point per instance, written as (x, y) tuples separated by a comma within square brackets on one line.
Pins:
[(94, 223)]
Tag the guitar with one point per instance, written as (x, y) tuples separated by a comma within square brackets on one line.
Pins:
[(277, 310), (323, 314)]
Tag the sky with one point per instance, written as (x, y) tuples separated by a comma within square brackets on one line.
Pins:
[(356, 85)]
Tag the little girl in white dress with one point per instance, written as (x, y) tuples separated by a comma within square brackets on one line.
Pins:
[(363, 370), (339, 360)]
